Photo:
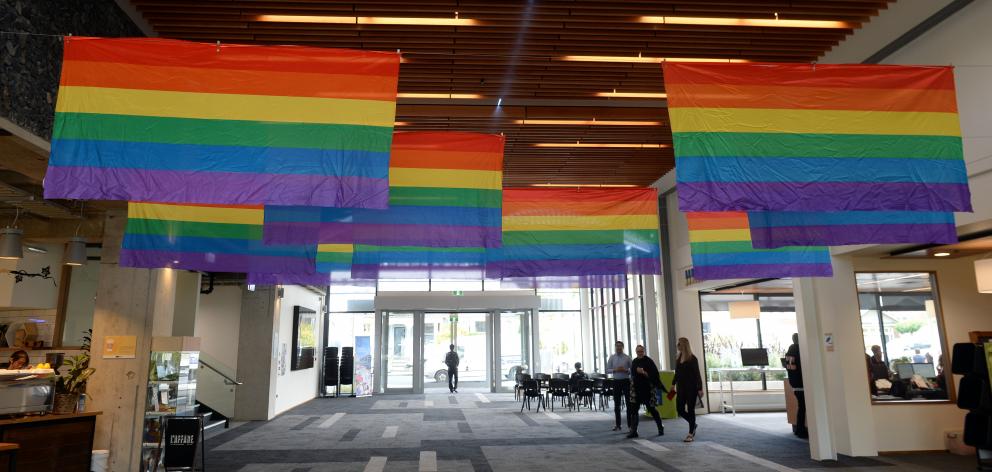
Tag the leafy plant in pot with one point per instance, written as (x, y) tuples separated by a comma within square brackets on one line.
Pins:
[(72, 383)]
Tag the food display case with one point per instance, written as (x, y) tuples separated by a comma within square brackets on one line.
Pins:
[(26, 391), (171, 389)]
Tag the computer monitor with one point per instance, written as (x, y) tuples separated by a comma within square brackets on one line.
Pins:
[(924, 370), (754, 356), (905, 371)]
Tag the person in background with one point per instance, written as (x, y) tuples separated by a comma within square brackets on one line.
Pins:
[(579, 374), (618, 365), (877, 369), (918, 358), (927, 358), (688, 385), (451, 360), (645, 381), (794, 368), (18, 360)]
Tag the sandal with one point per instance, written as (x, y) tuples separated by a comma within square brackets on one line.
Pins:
[(689, 438)]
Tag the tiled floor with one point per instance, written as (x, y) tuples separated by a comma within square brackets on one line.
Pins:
[(470, 432)]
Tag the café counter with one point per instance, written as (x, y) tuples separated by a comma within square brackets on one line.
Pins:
[(62, 443)]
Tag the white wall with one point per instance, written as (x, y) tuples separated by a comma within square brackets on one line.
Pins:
[(81, 300), (32, 292), (218, 318), (295, 387)]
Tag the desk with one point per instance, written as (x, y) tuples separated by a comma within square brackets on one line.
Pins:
[(61, 443), (720, 373)]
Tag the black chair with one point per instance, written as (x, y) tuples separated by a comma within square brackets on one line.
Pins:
[(542, 381), (519, 386), (532, 390), (558, 390), (598, 388), (606, 393), (559, 376), (585, 393)]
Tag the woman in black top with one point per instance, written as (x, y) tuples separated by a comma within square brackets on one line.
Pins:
[(688, 385), (645, 381)]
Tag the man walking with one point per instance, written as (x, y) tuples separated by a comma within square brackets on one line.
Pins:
[(618, 365), (451, 360), (794, 368)]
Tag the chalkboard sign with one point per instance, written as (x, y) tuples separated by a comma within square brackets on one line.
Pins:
[(181, 437)]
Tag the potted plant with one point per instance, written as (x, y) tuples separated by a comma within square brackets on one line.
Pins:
[(72, 383)]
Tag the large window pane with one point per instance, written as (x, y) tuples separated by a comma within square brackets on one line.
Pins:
[(899, 314), (560, 340), (441, 285)]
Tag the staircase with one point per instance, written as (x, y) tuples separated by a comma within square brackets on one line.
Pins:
[(211, 418)]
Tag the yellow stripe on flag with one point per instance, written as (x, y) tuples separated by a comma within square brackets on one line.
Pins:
[(328, 248), (219, 106), (768, 120), (719, 235), (445, 178), (196, 213)]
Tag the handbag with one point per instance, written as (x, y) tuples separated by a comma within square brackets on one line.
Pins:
[(699, 402)]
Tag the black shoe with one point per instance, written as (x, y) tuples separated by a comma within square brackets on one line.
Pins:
[(661, 432), (616, 428), (632, 434)]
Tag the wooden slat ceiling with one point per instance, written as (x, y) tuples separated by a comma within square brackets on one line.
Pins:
[(515, 55)]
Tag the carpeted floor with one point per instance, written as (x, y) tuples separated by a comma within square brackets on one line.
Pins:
[(487, 432)]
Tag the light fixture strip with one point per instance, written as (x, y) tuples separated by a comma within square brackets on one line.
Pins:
[(445, 96), (646, 60), (632, 94), (758, 22), (368, 20), (584, 185), (588, 122), (602, 145)]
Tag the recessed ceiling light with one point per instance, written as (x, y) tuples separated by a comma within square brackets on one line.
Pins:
[(761, 22), (588, 122), (615, 94), (941, 254), (36, 249), (603, 145), (642, 59), (462, 96), (583, 185), (368, 20)]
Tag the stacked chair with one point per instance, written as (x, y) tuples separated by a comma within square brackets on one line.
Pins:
[(975, 396)]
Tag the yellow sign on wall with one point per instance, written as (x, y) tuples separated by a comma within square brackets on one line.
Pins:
[(120, 347)]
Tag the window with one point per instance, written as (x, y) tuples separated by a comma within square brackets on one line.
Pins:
[(617, 315), (903, 336)]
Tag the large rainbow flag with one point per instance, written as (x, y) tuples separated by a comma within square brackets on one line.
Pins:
[(721, 249), (772, 229), (333, 265), (210, 238), (445, 190), (173, 121), (804, 137), (550, 232), (418, 262)]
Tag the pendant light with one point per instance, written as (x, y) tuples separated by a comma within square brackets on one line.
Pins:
[(10, 240), (983, 275), (75, 249), (745, 310)]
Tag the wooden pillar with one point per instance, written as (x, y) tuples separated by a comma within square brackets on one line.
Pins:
[(129, 302)]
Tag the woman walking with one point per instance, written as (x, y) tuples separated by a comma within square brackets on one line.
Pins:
[(645, 381), (688, 385)]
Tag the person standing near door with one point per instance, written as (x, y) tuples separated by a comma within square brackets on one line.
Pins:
[(794, 368), (618, 365), (451, 360), (644, 384)]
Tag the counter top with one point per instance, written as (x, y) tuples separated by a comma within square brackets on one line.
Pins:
[(45, 418)]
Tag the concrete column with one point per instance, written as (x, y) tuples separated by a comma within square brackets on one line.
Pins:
[(187, 299), (585, 321), (257, 351), (836, 382), (129, 302), (652, 341)]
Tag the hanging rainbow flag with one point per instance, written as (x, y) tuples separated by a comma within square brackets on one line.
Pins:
[(333, 264), (418, 262), (445, 190), (210, 238), (551, 232), (802, 137), (163, 120), (772, 229), (721, 249)]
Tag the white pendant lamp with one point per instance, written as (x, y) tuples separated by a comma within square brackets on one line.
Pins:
[(10, 243), (744, 310), (983, 275), (75, 252)]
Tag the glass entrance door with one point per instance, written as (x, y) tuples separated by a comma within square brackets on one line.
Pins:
[(400, 352), (512, 348), (470, 334)]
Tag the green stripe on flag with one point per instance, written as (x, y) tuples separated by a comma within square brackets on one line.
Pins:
[(726, 247), (455, 197), (817, 145), (526, 238), (193, 229)]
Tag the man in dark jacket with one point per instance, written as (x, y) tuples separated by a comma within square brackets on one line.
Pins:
[(451, 360), (794, 368), (644, 382)]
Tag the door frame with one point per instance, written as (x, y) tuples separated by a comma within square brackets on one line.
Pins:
[(418, 303)]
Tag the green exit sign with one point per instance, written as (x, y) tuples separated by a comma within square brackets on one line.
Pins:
[(458, 293)]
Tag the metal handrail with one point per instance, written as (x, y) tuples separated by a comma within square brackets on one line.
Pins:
[(228, 380)]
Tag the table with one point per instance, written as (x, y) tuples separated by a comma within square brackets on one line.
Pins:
[(62, 443), (724, 406)]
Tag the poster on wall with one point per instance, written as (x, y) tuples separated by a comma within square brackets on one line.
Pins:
[(120, 347), (363, 366)]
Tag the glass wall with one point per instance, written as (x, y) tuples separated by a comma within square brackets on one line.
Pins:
[(903, 336), (617, 314), (351, 315), (560, 330)]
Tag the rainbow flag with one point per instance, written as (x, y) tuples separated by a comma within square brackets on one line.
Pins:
[(162, 120), (211, 238), (772, 229), (721, 249), (802, 137), (445, 190), (553, 232), (418, 262), (333, 265)]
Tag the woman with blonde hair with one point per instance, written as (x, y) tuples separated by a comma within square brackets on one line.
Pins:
[(688, 385)]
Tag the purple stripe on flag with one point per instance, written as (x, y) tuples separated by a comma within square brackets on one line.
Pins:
[(216, 262), (282, 232), (822, 196), (839, 235), (555, 268), (761, 271), (229, 188)]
